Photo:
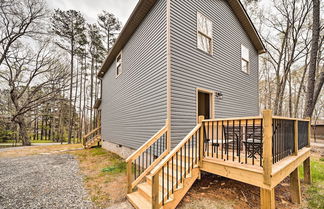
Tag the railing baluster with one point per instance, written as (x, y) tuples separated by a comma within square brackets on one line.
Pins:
[(261, 151), (185, 160), (177, 170), (239, 142), (222, 139), (181, 166), (162, 185), (253, 151), (168, 182), (217, 139), (246, 142), (172, 170), (207, 138), (233, 140), (212, 139), (226, 140), (192, 151)]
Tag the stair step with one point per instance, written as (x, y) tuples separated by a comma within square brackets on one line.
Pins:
[(139, 201), (146, 190)]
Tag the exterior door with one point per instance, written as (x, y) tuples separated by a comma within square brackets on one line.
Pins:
[(204, 104)]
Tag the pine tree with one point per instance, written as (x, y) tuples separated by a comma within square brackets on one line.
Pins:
[(69, 26), (110, 26), (96, 50)]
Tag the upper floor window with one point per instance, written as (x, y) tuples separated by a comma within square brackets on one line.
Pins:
[(204, 34), (245, 59), (118, 65)]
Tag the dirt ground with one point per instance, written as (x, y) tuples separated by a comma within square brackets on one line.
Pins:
[(225, 193), (34, 150), (104, 176)]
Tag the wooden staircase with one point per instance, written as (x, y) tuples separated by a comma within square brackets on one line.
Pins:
[(163, 178), (142, 198), (92, 138)]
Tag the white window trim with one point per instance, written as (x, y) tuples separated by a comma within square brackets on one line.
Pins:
[(248, 61), (203, 34), (121, 64)]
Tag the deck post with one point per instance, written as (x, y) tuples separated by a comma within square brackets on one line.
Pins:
[(307, 171), (307, 165), (155, 191), (129, 177), (201, 140), (295, 187), (295, 151), (168, 137), (267, 146), (267, 198), (309, 131)]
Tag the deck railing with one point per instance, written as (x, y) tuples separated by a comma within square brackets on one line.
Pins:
[(234, 139), (242, 139), (143, 160)]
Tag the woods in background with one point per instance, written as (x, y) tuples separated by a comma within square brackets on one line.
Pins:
[(292, 72), (49, 61)]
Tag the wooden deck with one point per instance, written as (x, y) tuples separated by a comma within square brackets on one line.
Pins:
[(261, 151), (253, 174)]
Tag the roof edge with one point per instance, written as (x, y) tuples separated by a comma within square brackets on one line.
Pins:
[(135, 19), (142, 9)]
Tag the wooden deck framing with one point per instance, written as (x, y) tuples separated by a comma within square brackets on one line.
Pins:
[(268, 174), (198, 151)]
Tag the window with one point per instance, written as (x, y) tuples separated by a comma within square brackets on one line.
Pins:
[(204, 33), (118, 65), (245, 59)]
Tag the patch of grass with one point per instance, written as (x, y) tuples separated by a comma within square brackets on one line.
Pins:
[(104, 176), (315, 192), (97, 151), (43, 141), (116, 168)]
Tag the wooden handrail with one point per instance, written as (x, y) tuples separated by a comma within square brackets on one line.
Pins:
[(175, 150), (147, 144), (238, 118), (91, 132), (287, 118)]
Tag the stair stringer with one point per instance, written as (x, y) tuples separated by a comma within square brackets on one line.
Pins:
[(93, 141), (180, 193)]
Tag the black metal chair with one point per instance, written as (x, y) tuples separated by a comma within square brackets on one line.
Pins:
[(207, 141), (232, 138), (253, 141)]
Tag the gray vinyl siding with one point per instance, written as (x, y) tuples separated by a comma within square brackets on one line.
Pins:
[(134, 104), (192, 68)]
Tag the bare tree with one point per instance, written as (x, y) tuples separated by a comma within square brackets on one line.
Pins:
[(19, 18), (314, 86), (32, 77)]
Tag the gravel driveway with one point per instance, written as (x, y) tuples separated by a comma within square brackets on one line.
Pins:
[(42, 181)]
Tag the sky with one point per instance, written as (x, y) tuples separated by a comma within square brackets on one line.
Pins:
[(91, 8)]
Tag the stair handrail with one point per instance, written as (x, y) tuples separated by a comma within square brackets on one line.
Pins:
[(143, 151), (89, 134), (175, 150), (154, 174)]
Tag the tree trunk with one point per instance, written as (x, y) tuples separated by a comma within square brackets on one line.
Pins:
[(23, 130), (91, 94), (71, 87), (310, 102)]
